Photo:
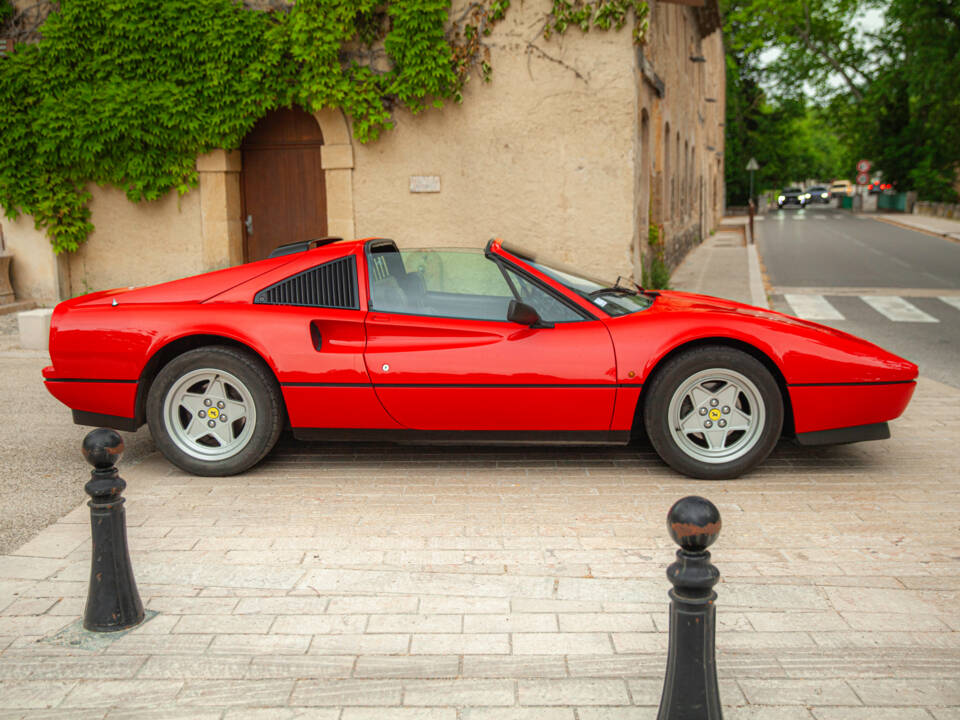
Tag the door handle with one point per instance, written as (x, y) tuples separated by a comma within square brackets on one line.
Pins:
[(249, 223)]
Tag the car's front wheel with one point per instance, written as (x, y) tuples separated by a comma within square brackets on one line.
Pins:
[(713, 412), (215, 411)]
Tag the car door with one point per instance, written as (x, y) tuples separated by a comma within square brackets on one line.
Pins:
[(443, 357)]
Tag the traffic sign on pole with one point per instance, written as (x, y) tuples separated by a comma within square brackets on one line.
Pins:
[(752, 165), (863, 166), (863, 179)]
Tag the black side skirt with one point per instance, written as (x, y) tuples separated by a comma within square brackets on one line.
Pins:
[(465, 437), (842, 436), (82, 417)]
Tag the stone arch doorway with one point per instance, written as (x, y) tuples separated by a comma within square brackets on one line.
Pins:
[(283, 189)]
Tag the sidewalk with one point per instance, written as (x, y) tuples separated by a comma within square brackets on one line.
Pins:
[(724, 265), (944, 227), (370, 582)]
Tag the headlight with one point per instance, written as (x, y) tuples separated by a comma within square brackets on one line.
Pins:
[(824, 195), (781, 198), (807, 195)]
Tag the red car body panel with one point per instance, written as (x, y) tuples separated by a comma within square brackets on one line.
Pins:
[(354, 369)]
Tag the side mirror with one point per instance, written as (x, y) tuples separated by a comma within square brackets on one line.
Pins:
[(524, 314)]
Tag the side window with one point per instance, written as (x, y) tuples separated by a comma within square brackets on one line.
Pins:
[(331, 285), (440, 283), (549, 308), (456, 284)]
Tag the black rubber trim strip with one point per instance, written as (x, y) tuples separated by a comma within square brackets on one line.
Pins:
[(471, 437), (82, 417), (852, 384), (842, 436), (463, 385), (90, 380)]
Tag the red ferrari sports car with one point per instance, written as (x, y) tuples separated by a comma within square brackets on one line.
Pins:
[(362, 340)]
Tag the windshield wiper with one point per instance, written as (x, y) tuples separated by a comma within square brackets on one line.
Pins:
[(617, 288)]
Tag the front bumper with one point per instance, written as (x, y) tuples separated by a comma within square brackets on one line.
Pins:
[(828, 407)]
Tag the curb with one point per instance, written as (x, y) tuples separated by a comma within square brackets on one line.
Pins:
[(954, 237), (758, 295)]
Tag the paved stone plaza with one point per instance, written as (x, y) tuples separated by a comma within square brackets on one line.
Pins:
[(349, 582)]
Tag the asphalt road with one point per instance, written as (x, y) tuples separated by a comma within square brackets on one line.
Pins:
[(895, 287)]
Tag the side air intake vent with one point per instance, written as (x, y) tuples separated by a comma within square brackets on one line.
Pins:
[(332, 285)]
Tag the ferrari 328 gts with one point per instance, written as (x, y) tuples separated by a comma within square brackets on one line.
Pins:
[(362, 340)]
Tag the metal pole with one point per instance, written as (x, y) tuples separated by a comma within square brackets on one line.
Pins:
[(751, 186), (113, 602), (690, 690)]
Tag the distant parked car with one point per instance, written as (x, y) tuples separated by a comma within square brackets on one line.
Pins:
[(876, 188), (841, 188), (818, 194), (792, 196)]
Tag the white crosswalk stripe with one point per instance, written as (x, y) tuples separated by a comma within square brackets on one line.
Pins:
[(897, 309), (951, 300), (819, 217), (812, 307)]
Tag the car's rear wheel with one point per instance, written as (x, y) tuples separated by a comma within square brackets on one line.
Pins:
[(215, 411), (713, 412)]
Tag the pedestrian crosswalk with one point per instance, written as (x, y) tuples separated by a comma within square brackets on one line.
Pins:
[(897, 309), (893, 307)]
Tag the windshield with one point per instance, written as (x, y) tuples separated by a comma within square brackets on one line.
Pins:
[(616, 298), (794, 190)]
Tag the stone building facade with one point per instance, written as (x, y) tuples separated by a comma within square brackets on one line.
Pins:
[(577, 145)]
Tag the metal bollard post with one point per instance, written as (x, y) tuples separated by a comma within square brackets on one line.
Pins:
[(112, 599), (690, 689)]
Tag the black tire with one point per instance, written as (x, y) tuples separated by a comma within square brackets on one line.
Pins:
[(738, 451), (260, 391)]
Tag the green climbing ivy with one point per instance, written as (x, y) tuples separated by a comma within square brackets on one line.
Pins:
[(655, 274), (6, 11), (128, 93)]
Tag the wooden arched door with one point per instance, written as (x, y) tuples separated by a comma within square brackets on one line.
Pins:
[(284, 197)]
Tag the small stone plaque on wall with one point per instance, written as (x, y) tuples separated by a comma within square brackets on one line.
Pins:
[(424, 183)]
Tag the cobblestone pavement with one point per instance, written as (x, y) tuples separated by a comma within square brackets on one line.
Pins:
[(365, 582)]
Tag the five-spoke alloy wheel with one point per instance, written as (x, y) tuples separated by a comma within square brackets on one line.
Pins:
[(713, 412), (214, 411)]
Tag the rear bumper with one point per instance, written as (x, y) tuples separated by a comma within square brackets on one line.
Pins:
[(108, 398)]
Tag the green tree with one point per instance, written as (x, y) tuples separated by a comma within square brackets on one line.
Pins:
[(890, 96)]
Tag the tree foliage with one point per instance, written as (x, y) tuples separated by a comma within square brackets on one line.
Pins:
[(129, 92), (891, 96)]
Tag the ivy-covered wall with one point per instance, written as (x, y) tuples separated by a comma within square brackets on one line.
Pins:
[(128, 93), (536, 142)]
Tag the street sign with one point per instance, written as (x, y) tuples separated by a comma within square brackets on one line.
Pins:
[(863, 166), (863, 179), (752, 165)]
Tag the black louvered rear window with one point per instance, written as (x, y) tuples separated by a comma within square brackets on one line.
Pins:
[(332, 285)]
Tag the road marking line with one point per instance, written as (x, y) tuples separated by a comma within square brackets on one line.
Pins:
[(897, 309), (812, 307), (954, 301), (819, 217)]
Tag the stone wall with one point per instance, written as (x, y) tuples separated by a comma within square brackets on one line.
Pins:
[(542, 156), (682, 93)]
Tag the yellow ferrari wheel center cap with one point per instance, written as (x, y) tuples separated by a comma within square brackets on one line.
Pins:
[(214, 413), (714, 414)]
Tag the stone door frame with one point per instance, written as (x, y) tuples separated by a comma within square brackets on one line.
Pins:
[(220, 195)]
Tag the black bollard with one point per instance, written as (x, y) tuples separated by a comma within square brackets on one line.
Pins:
[(112, 599), (690, 690)]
